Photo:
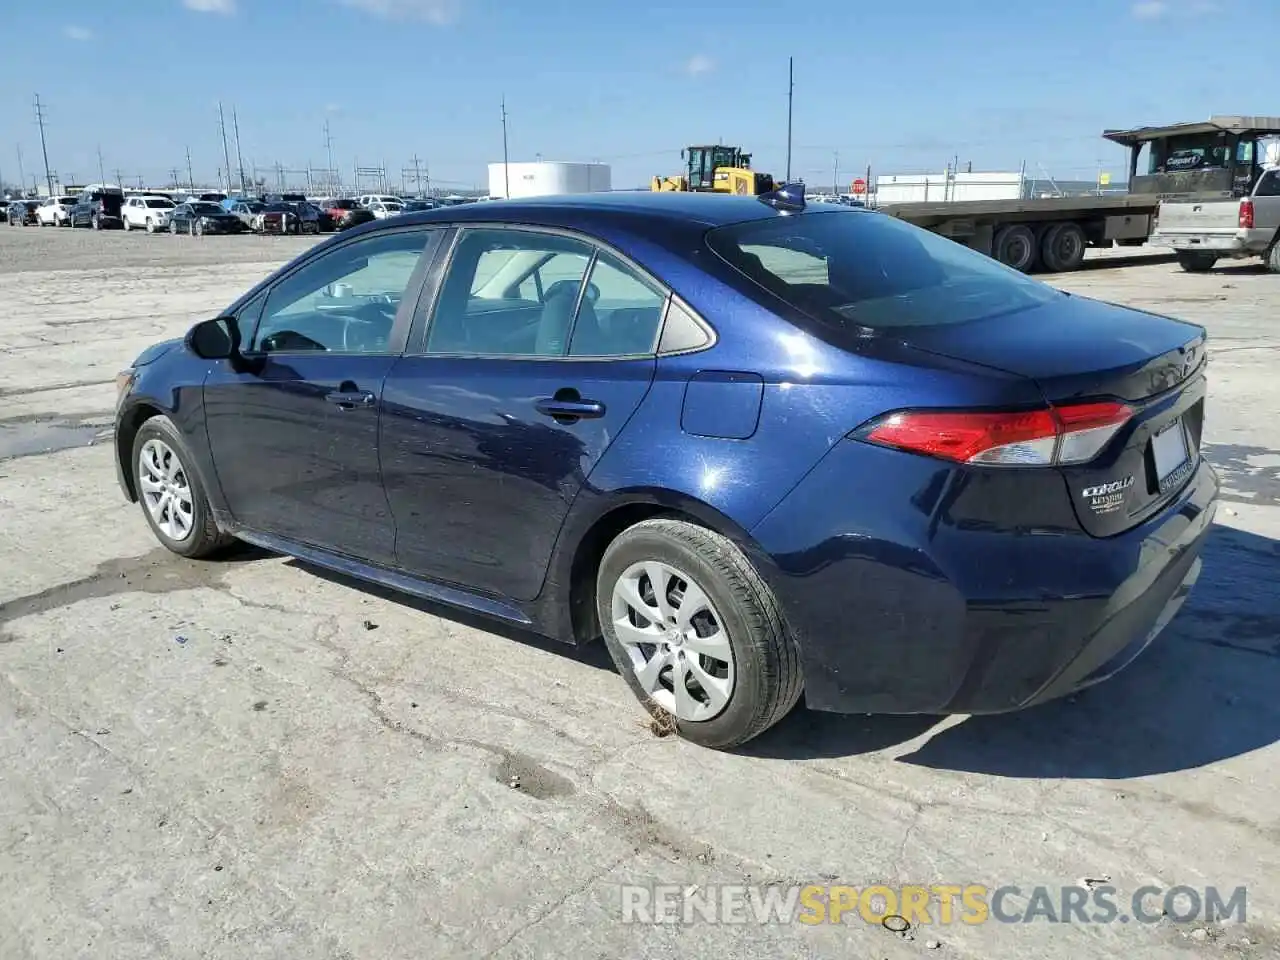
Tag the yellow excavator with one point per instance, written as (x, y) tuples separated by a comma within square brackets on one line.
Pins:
[(716, 169)]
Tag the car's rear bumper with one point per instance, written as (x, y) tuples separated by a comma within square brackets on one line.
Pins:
[(902, 604)]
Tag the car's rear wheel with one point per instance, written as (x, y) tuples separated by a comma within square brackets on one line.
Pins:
[(125, 225), (197, 229), (696, 633), (169, 491)]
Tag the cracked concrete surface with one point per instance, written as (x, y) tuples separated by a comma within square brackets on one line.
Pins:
[(251, 758)]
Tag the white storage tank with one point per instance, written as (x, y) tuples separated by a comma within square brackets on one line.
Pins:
[(548, 178)]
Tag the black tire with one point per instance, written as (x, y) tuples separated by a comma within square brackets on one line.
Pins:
[(1063, 247), (1015, 246), (1273, 256), (124, 224), (97, 222), (1195, 261), (768, 677), (173, 227), (204, 537), (197, 229)]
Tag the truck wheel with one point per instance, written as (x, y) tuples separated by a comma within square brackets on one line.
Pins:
[(1063, 247), (1273, 256), (1015, 246), (1196, 261)]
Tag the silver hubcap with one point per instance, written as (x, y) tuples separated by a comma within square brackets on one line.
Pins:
[(675, 639), (165, 491)]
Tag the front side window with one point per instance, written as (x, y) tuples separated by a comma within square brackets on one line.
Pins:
[(344, 301), (850, 269)]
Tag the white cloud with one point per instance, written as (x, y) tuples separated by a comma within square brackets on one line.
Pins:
[(78, 33), (698, 64), (333, 108), (1162, 9), (224, 7), (438, 12)]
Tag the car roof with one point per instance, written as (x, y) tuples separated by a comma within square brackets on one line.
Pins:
[(595, 211)]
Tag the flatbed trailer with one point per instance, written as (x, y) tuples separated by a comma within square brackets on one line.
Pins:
[(1050, 233), (1053, 233)]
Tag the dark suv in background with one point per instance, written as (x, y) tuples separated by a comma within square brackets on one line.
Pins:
[(99, 208), (22, 213)]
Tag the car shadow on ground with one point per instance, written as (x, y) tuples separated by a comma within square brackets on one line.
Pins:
[(590, 654), (1204, 691)]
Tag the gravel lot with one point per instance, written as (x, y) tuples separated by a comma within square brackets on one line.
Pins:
[(247, 758)]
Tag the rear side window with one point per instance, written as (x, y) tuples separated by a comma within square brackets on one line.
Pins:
[(851, 269)]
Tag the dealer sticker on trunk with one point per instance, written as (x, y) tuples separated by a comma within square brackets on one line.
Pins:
[(1107, 497)]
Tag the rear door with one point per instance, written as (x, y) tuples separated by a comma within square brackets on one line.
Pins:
[(522, 378), (294, 432)]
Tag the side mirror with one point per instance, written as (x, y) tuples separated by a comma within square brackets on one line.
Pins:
[(216, 339)]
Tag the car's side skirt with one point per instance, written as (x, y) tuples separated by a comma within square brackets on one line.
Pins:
[(391, 579)]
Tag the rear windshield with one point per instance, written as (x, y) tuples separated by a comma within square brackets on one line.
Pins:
[(159, 203), (858, 269), (206, 209), (64, 201)]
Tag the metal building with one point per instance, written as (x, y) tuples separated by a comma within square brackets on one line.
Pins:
[(548, 178)]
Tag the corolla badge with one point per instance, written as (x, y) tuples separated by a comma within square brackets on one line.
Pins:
[(1107, 497)]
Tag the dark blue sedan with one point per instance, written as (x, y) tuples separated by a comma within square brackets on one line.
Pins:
[(765, 449)]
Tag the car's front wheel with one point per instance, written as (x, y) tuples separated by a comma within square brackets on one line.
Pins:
[(172, 499), (696, 633)]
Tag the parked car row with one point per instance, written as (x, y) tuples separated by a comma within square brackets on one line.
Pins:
[(104, 206)]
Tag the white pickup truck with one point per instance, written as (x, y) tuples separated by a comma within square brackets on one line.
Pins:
[(1202, 232), (1236, 223)]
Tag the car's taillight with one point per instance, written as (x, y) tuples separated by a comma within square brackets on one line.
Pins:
[(1246, 214), (1044, 437)]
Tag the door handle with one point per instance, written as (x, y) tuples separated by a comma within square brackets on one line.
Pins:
[(569, 410), (350, 399)]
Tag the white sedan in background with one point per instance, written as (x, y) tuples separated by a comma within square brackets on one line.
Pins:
[(147, 213), (55, 211), (383, 209)]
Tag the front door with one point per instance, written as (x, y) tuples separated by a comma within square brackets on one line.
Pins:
[(493, 422), (294, 432)]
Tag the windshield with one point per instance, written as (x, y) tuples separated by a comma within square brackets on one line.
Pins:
[(851, 269), (254, 207), (67, 201), (206, 209), (159, 203), (1189, 152), (278, 208)]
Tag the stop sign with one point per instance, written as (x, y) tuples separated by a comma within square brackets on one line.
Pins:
[(859, 186)]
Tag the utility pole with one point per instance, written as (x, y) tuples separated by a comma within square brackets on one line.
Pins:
[(226, 156), (119, 178), (328, 149), (22, 174), (48, 177), (173, 177), (835, 174), (191, 179), (235, 125), (506, 168), (102, 173), (417, 175), (791, 90)]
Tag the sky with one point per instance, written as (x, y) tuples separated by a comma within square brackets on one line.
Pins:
[(900, 88)]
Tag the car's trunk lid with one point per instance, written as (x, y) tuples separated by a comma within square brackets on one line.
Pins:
[(1077, 349)]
